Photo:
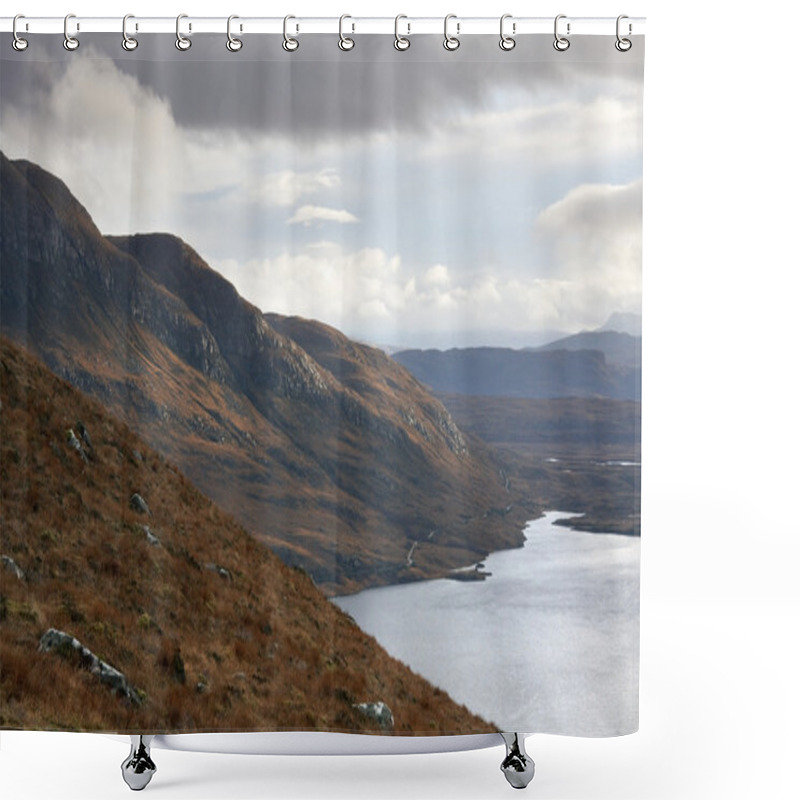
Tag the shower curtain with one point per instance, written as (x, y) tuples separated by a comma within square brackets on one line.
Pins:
[(321, 374)]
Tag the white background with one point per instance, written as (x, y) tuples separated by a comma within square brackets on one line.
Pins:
[(720, 597)]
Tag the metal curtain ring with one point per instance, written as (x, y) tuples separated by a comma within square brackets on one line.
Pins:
[(181, 42), (401, 42), (18, 43), (70, 42), (128, 42), (623, 45), (345, 42), (233, 44), (507, 42), (561, 43), (290, 44), (451, 42)]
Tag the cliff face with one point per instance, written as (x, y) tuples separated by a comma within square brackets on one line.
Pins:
[(326, 449), (130, 602)]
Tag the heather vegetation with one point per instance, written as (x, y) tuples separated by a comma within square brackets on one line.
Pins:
[(210, 630)]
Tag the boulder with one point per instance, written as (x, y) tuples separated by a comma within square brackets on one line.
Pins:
[(69, 647), (221, 571), (74, 443), (139, 505), (84, 434), (12, 567), (379, 712), (151, 537)]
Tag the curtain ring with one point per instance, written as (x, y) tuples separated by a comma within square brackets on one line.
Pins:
[(507, 42), (401, 42), (129, 43), (233, 44), (290, 44), (345, 42), (623, 45), (70, 42), (451, 42), (181, 42), (18, 42), (561, 43)]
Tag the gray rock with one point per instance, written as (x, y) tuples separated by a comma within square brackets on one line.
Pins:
[(137, 455), (84, 434), (68, 646), (74, 443), (138, 504), (151, 537), (221, 571), (379, 712), (12, 567)]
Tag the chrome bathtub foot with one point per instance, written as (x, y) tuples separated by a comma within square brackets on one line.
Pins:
[(517, 766), (138, 768)]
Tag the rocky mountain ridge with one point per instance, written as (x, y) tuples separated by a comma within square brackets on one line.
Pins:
[(327, 450)]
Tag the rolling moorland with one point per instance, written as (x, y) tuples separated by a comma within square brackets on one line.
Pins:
[(564, 418), (327, 450), (186, 621)]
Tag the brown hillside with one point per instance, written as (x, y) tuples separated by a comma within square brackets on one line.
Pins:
[(211, 629)]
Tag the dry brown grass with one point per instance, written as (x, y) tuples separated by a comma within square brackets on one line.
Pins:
[(262, 651)]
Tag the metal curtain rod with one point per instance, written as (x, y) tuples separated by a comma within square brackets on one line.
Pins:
[(462, 26)]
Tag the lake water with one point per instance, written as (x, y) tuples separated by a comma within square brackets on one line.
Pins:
[(548, 644)]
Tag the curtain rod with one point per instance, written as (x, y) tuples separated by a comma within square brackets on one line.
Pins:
[(462, 26)]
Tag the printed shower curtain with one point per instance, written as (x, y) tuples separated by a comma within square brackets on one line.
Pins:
[(320, 385)]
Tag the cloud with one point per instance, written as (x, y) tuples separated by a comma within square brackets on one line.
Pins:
[(308, 215), (552, 134), (593, 238), (371, 294), (286, 187)]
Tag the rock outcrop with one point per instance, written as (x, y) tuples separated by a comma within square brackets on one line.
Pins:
[(68, 647), (138, 504), (12, 567), (379, 712)]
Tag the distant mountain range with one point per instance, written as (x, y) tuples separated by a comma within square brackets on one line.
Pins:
[(622, 322), (619, 348), (200, 627), (326, 449), (572, 367), (605, 362)]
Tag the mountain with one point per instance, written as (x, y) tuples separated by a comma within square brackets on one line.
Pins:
[(327, 450), (624, 323), (543, 373), (620, 349), (191, 624)]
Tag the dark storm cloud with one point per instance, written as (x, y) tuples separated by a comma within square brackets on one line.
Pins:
[(295, 98)]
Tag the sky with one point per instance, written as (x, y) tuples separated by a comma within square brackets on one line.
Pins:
[(423, 198)]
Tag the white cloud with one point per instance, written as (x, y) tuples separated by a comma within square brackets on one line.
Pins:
[(437, 275), (308, 215), (286, 187), (594, 238), (373, 294)]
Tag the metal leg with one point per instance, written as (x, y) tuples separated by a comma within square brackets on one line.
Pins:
[(138, 768), (518, 766)]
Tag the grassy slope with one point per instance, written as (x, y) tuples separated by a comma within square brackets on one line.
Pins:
[(271, 651)]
